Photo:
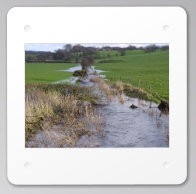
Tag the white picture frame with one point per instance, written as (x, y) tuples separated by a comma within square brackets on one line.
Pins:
[(96, 166)]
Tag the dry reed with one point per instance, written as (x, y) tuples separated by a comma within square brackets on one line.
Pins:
[(46, 110)]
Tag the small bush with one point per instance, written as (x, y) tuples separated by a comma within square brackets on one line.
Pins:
[(80, 73)]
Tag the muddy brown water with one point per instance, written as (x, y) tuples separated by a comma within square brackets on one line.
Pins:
[(122, 126)]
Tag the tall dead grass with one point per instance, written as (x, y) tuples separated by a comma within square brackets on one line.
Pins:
[(103, 86), (119, 87), (47, 109), (136, 92)]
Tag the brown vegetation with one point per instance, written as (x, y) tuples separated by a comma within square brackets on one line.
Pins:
[(103, 86), (135, 92), (50, 106), (80, 73)]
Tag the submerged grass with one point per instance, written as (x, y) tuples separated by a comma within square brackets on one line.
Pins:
[(70, 107), (135, 92), (103, 86)]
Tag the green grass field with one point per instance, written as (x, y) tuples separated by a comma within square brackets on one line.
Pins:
[(46, 72), (150, 71)]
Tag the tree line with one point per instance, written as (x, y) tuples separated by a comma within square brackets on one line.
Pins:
[(82, 54)]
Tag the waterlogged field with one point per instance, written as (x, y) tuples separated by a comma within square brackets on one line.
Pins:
[(47, 72), (149, 71)]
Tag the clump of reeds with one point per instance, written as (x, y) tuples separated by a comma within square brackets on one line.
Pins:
[(131, 91), (80, 93), (152, 112), (139, 93), (46, 108), (135, 91), (93, 118), (119, 86), (103, 86), (141, 102), (122, 98)]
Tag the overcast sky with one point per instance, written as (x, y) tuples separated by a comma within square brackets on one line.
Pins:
[(52, 47)]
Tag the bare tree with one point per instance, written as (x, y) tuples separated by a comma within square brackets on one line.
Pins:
[(67, 47), (87, 62)]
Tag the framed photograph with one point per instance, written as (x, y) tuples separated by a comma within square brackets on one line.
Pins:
[(97, 95)]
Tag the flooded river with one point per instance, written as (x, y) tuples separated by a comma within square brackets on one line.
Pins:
[(141, 127), (122, 126), (144, 126)]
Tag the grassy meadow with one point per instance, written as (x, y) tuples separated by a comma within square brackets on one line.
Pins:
[(149, 71), (46, 72)]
